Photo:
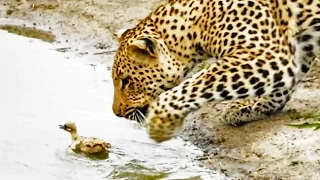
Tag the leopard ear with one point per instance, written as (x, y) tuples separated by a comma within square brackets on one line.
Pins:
[(120, 34), (142, 50)]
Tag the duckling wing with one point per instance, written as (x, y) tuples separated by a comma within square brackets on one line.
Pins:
[(92, 145), (103, 143), (93, 141)]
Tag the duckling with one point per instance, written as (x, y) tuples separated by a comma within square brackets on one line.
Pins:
[(88, 145)]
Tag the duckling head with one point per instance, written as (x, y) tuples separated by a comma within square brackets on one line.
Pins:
[(69, 126)]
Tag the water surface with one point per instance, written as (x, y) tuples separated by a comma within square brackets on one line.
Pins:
[(42, 88)]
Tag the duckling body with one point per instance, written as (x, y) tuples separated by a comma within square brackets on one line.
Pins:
[(93, 145), (89, 145)]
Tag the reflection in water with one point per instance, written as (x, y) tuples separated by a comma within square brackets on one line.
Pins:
[(29, 32), (139, 172), (41, 88)]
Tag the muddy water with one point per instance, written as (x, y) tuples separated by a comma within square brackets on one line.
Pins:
[(42, 88)]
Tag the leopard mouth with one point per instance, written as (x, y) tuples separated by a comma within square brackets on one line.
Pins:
[(137, 114), (143, 109), (128, 113)]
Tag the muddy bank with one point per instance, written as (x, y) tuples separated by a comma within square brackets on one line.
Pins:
[(267, 149), (83, 27)]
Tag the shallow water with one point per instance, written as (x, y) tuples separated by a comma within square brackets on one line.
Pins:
[(42, 88)]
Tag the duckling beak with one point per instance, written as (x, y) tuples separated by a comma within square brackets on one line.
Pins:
[(61, 127)]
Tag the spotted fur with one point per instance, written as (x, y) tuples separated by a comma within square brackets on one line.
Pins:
[(262, 49)]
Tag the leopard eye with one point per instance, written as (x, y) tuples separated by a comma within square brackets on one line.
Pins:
[(124, 82)]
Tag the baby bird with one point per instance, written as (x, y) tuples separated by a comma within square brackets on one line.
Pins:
[(88, 145)]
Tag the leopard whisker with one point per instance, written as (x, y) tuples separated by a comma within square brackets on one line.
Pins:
[(141, 114), (142, 118), (137, 118), (130, 117), (134, 115)]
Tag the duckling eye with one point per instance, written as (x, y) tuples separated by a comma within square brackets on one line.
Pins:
[(65, 126), (124, 82)]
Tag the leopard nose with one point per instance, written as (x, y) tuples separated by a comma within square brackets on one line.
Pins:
[(117, 111)]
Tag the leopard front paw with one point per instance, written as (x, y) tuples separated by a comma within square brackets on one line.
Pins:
[(163, 125)]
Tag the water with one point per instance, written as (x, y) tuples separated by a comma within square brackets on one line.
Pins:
[(42, 88)]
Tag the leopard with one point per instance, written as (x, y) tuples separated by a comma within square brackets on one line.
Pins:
[(261, 50)]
